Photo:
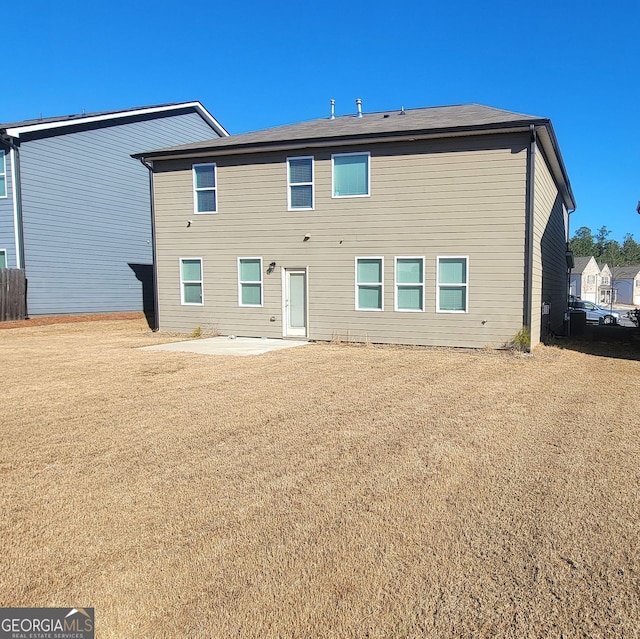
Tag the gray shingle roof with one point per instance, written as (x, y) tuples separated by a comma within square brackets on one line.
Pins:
[(78, 116), (381, 124), (625, 272), (60, 122), (580, 263)]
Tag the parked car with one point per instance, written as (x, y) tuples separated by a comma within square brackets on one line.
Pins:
[(596, 313)]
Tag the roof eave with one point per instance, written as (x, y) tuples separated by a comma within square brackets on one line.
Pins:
[(549, 142), (287, 145), (17, 131)]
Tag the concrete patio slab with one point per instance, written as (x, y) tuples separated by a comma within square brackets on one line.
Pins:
[(241, 346)]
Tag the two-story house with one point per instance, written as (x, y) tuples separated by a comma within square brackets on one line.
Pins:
[(75, 207), (606, 291), (585, 279), (627, 284), (437, 226)]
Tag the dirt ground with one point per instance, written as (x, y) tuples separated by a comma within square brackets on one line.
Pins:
[(47, 320), (329, 491)]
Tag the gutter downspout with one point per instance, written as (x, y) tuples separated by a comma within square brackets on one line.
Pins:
[(529, 222), (17, 204), (156, 319)]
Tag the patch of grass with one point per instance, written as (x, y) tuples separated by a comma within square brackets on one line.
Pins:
[(521, 341), (328, 491)]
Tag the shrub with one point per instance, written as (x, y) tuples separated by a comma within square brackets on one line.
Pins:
[(521, 341)]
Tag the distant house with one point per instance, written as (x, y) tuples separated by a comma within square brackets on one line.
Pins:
[(606, 291), (627, 283), (439, 226), (585, 279), (75, 208)]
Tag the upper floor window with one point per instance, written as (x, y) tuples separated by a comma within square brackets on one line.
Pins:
[(250, 281), (3, 174), (452, 284), (350, 174), (605, 279), (409, 284), (591, 279), (300, 182), (204, 188), (191, 281), (369, 287)]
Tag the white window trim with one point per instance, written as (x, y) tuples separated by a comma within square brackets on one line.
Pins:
[(208, 188), (465, 284), (183, 282), (3, 173), (311, 184), (241, 282), (381, 283), (407, 284), (6, 259), (336, 155)]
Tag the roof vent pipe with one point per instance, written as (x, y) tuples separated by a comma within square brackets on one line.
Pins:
[(333, 109), (359, 105), (402, 111)]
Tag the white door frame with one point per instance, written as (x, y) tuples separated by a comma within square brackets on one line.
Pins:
[(286, 331)]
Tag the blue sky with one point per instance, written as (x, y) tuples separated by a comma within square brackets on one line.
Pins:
[(261, 64)]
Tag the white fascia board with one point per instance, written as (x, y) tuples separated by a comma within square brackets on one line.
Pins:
[(209, 118), (16, 131)]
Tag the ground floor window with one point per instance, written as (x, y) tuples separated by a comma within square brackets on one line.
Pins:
[(191, 281), (369, 285), (409, 284), (250, 281), (3, 258), (452, 296)]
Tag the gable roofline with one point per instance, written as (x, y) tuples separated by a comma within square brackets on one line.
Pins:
[(384, 126), (581, 263), (16, 129), (629, 272)]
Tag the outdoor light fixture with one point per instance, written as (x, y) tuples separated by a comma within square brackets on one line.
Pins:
[(271, 267), (306, 238)]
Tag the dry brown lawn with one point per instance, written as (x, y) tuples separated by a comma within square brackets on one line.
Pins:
[(320, 492)]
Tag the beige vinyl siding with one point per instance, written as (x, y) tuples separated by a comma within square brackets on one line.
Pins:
[(589, 290), (462, 197), (549, 261)]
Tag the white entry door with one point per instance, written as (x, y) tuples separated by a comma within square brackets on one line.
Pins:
[(295, 303)]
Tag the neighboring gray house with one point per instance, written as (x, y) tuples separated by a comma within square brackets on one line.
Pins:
[(626, 280), (585, 279), (75, 208), (439, 226)]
